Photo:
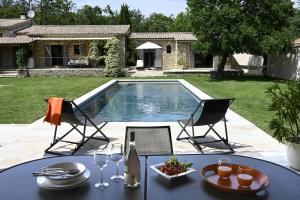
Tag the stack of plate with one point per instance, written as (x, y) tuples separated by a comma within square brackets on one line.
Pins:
[(65, 181)]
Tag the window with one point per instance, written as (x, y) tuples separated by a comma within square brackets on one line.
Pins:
[(1, 34), (76, 49), (169, 49)]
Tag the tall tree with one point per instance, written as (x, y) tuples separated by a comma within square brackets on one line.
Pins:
[(158, 22), (124, 16), (10, 9), (258, 27), (55, 12), (90, 15), (181, 23), (137, 20)]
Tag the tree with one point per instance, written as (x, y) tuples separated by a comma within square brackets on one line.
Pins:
[(296, 23), (157, 22), (137, 20), (10, 9), (259, 27), (124, 16), (90, 15), (55, 12), (181, 23)]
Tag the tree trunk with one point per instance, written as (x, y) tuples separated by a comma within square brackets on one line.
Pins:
[(222, 63), (265, 63)]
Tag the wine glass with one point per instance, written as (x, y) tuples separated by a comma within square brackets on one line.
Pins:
[(224, 168), (117, 156), (100, 160)]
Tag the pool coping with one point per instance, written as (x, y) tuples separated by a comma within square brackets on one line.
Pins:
[(195, 91)]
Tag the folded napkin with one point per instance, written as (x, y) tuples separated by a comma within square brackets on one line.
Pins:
[(53, 114)]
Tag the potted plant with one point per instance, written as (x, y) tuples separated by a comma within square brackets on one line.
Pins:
[(22, 56), (286, 122)]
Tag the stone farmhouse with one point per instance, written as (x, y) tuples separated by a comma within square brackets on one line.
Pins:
[(67, 46)]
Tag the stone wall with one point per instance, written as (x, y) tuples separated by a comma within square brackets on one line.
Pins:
[(168, 60), (179, 50), (40, 52), (183, 54), (284, 66), (53, 72)]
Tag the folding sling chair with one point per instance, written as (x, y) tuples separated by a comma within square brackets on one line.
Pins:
[(209, 112), (68, 116), (150, 140)]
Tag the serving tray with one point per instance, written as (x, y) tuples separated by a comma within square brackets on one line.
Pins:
[(210, 175)]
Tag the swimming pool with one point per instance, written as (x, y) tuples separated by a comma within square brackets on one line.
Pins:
[(141, 101)]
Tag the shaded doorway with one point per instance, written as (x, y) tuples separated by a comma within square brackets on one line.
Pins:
[(57, 55), (203, 61), (149, 57)]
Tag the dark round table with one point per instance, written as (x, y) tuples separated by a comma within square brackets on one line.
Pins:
[(18, 183)]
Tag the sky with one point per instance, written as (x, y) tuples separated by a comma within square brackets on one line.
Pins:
[(147, 7)]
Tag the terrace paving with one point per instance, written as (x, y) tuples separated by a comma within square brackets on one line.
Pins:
[(20, 143)]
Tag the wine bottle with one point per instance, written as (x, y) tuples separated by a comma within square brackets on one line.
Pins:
[(132, 172)]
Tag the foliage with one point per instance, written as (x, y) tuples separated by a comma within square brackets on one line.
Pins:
[(55, 12), (157, 22), (131, 53), (10, 9), (93, 54), (181, 23), (286, 105), (112, 68), (296, 23), (182, 61), (137, 20), (22, 55), (64, 12), (124, 16), (236, 26)]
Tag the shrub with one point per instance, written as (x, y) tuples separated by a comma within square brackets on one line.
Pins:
[(112, 68), (22, 55), (286, 105)]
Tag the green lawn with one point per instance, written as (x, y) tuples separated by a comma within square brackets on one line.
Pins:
[(21, 99)]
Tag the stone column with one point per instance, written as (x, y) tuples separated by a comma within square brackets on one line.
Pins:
[(216, 61)]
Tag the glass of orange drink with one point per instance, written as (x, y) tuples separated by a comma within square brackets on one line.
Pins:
[(245, 176), (224, 168)]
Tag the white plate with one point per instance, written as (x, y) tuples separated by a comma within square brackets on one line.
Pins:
[(65, 179), (157, 166), (45, 183)]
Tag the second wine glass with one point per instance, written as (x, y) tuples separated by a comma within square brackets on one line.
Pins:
[(100, 160), (117, 156)]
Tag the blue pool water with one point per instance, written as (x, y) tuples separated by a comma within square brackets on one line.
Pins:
[(142, 101)]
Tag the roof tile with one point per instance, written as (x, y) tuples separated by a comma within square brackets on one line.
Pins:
[(181, 36), (48, 30)]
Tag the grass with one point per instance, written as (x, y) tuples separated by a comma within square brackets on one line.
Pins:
[(21, 99)]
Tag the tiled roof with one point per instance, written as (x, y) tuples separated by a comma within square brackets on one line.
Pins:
[(16, 40), (49, 30), (13, 23), (181, 36)]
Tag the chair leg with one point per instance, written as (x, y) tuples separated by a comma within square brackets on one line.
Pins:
[(183, 130)]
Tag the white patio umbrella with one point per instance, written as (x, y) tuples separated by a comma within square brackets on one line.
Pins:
[(149, 45)]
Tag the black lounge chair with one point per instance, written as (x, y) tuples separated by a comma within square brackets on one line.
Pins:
[(153, 140), (68, 116), (209, 112)]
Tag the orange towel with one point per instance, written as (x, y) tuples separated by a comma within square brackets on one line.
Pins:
[(53, 114)]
